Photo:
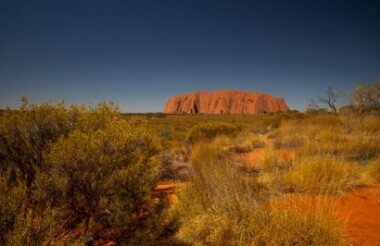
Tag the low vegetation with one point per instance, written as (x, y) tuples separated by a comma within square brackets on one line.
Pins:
[(224, 206), (82, 175)]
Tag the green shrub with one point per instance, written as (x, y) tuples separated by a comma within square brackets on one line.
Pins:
[(12, 198), (91, 170)]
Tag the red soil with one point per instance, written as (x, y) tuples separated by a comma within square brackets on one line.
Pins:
[(167, 189), (363, 210), (358, 210)]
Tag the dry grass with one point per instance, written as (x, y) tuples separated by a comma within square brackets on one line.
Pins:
[(374, 170), (247, 142), (223, 206), (323, 175)]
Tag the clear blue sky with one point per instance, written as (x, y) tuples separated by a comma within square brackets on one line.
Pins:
[(139, 53)]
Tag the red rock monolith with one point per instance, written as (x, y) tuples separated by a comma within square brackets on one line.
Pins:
[(225, 102)]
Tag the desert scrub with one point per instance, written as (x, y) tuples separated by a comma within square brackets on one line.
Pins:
[(210, 130), (323, 175), (221, 206)]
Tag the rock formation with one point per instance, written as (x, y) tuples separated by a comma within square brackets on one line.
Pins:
[(225, 102)]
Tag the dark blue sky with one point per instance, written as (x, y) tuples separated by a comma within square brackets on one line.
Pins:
[(140, 53)]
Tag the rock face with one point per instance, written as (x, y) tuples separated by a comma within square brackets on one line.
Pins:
[(225, 102)]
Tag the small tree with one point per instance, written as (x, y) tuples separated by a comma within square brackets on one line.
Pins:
[(366, 96), (331, 99), (25, 133)]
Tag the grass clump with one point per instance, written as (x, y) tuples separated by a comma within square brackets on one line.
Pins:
[(374, 169), (323, 175), (245, 143), (209, 131), (299, 227)]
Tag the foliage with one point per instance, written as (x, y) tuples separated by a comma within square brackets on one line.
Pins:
[(90, 169), (366, 97), (84, 166), (11, 203)]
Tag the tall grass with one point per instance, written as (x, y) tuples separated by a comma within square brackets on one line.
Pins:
[(374, 170), (223, 206), (355, 139), (323, 175)]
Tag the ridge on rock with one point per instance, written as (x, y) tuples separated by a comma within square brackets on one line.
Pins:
[(225, 102)]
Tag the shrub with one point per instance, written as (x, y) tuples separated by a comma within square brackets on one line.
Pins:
[(12, 198), (91, 170)]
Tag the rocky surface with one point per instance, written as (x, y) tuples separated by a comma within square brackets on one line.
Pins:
[(225, 102)]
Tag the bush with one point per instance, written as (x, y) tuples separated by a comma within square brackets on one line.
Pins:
[(91, 170), (12, 198), (83, 172)]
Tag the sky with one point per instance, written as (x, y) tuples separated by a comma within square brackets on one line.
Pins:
[(140, 53)]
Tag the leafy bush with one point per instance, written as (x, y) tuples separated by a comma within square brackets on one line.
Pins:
[(12, 198), (91, 170), (80, 171)]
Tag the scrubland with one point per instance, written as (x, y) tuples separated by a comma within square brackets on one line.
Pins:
[(83, 175), (289, 194)]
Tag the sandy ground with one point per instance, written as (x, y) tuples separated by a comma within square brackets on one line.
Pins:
[(362, 208), (359, 210)]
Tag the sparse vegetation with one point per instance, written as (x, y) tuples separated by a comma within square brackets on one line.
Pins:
[(86, 175), (222, 206)]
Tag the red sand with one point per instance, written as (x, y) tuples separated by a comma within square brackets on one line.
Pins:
[(360, 209), (363, 210)]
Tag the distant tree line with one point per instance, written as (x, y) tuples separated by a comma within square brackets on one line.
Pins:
[(363, 98)]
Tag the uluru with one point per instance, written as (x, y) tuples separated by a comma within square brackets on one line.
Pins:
[(225, 102)]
